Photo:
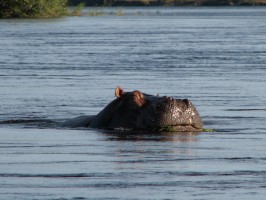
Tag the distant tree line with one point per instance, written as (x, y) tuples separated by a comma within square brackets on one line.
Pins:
[(165, 2), (57, 8), (32, 8)]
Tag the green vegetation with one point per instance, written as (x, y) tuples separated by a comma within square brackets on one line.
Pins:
[(208, 130), (95, 12), (32, 8), (180, 129), (57, 8), (163, 129), (78, 9), (120, 12)]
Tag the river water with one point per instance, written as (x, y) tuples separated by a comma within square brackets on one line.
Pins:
[(56, 69)]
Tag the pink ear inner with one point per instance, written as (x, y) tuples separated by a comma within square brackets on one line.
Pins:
[(119, 92)]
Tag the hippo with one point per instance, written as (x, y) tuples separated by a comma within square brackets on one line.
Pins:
[(143, 112)]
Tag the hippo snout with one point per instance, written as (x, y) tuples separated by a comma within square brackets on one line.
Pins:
[(168, 111)]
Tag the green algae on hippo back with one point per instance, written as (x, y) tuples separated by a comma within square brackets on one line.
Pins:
[(140, 111), (181, 129), (208, 130)]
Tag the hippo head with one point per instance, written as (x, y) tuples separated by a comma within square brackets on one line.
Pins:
[(139, 111)]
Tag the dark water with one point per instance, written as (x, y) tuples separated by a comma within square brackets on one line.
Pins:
[(56, 69)]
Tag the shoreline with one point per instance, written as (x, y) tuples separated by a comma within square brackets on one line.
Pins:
[(172, 3)]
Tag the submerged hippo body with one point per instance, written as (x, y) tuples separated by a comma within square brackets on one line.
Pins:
[(140, 111)]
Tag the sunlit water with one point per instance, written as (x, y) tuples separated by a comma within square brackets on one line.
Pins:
[(61, 68)]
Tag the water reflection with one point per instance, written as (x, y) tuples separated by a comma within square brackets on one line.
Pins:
[(151, 136), (147, 151), (69, 67)]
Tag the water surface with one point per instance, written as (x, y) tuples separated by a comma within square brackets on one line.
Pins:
[(55, 69)]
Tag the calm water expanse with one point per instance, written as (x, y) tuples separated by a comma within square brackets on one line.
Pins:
[(56, 69)]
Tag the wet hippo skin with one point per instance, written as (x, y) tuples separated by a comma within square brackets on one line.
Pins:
[(139, 111)]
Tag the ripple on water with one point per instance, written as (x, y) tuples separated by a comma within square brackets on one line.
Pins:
[(51, 70)]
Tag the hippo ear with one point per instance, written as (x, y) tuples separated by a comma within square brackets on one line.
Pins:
[(139, 98), (119, 92)]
